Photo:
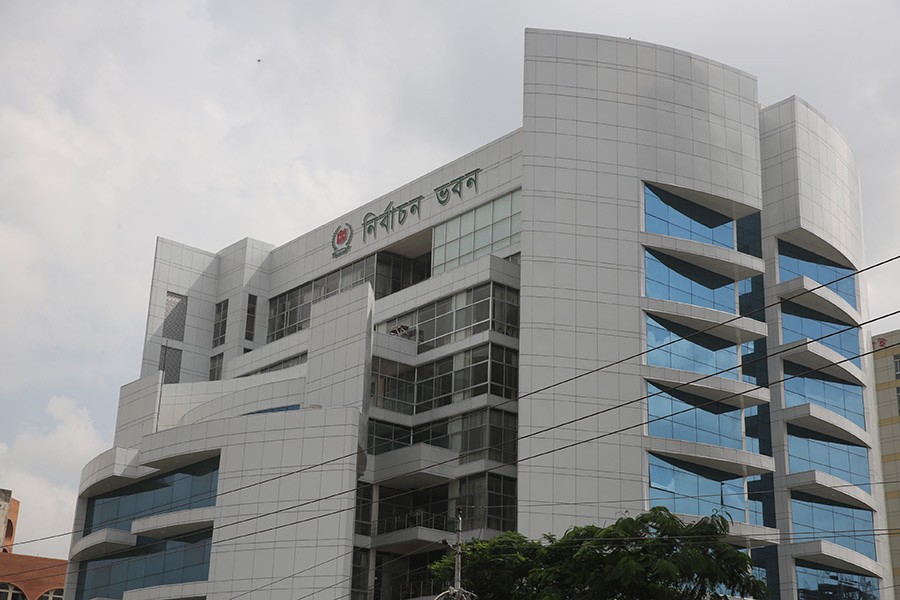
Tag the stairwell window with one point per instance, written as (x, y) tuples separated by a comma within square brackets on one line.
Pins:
[(219, 323), (251, 318), (215, 367)]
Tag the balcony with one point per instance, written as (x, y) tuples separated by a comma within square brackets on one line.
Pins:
[(803, 291), (816, 356), (731, 392), (833, 556), (720, 324), (416, 466), (726, 460), (820, 419), (101, 543), (412, 532), (175, 523), (723, 261), (828, 487)]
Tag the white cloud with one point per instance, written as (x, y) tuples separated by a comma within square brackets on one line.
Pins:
[(42, 469)]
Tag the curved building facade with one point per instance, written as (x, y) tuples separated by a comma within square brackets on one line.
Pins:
[(310, 416)]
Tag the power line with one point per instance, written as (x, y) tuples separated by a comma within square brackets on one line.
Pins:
[(152, 511), (492, 468), (561, 424), (579, 418), (320, 515)]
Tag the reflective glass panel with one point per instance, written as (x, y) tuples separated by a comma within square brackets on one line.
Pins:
[(476, 233), (794, 261), (803, 387), (817, 583), (689, 489), (749, 235), (668, 214), (151, 563), (761, 500), (811, 450), (751, 298), (814, 519), (754, 363), (798, 322), (758, 430), (702, 353), (681, 416), (193, 486), (673, 279), (765, 566)]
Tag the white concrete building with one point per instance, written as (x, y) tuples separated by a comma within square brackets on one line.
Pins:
[(300, 434)]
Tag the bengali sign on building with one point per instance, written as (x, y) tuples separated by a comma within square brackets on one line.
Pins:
[(392, 215)]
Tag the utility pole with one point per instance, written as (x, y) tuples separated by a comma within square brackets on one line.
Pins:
[(457, 570), (456, 592)]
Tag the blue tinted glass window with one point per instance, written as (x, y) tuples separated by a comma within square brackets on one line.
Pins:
[(817, 583), (810, 450), (151, 563), (749, 235), (765, 566), (668, 214), (673, 279), (693, 490), (681, 416), (754, 364), (757, 428), (798, 322), (702, 353), (803, 387), (761, 500), (794, 261), (849, 527), (751, 298), (193, 486)]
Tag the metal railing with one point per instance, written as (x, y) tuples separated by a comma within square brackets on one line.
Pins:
[(425, 588), (414, 519), (400, 406)]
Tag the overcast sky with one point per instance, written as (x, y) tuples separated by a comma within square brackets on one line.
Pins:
[(206, 122)]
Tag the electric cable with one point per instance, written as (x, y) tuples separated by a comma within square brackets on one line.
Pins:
[(640, 424), (699, 332), (581, 375)]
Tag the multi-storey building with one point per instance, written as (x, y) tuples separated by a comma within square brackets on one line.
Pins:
[(886, 347), (309, 415)]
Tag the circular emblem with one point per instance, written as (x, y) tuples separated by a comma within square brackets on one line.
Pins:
[(340, 240)]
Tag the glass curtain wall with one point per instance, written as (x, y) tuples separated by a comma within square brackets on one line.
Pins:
[(804, 386), (487, 306), (487, 433), (799, 322), (192, 486), (151, 563), (476, 233), (794, 261)]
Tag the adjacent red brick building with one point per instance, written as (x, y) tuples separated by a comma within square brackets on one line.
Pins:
[(24, 577)]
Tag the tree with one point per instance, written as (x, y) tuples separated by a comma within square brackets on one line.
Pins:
[(654, 555)]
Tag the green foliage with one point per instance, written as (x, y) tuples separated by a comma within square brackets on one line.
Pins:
[(500, 565), (654, 555)]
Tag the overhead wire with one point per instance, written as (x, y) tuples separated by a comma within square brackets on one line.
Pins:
[(561, 382), (640, 424), (617, 362)]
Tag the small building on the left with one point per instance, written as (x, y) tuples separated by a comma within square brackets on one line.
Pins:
[(24, 577)]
